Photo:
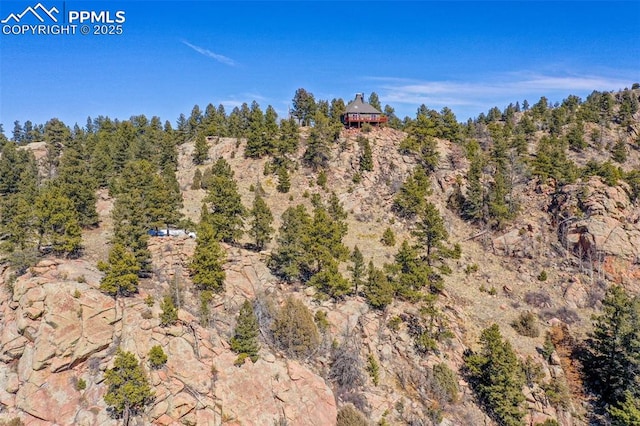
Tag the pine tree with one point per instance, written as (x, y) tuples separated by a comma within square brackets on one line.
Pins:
[(304, 106), (357, 269), (201, 149), (497, 378), (260, 226), (430, 230), (329, 281), (169, 314), (412, 195), (56, 135), (77, 183), (128, 389), (121, 278), (258, 145), (284, 183), (318, 150), (289, 137), (245, 336), (379, 290), (294, 329), (57, 221), (226, 209), (413, 274), (374, 101), (613, 357), (206, 264), (366, 157), (627, 412), (290, 259), (473, 207)]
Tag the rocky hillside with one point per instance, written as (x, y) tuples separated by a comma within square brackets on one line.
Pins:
[(554, 259)]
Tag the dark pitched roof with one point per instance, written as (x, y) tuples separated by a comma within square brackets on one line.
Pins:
[(359, 105)]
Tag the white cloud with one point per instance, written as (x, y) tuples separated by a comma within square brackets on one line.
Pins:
[(498, 90), (208, 53)]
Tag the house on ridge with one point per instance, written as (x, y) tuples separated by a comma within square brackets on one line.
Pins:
[(358, 112)]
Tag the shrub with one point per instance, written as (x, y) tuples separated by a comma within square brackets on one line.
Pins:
[(128, 389), (81, 384), (157, 357), (346, 365), (542, 276), (77, 294), (537, 299), (322, 180), (388, 238), (557, 393), (549, 422), (394, 323), (444, 384), (470, 269), (374, 369), (350, 416), (294, 329), (169, 315), (321, 320), (150, 301), (526, 325)]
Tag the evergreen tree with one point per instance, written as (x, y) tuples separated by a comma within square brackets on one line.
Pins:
[(289, 137), (206, 264), (169, 314), (473, 207), (379, 290), (194, 122), (76, 182), (56, 135), (226, 209), (613, 347), (421, 139), (357, 269), (201, 149), (57, 223), (392, 119), (627, 412), (197, 180), (245, 336), (374, 101), (258, 145), (294, 329), (329, 281), (551, 161), (284, 183), (366, 156), (318, 152), (430, 230), (18, 133), (304, 106), (411, 198), (121, 273), (336, 110), (290, 260), (157, 357), (128, 389), (497, 378), (326, 233), (412, 273), (260, 226)]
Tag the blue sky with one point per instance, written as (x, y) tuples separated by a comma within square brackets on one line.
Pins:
[(469, 56)]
